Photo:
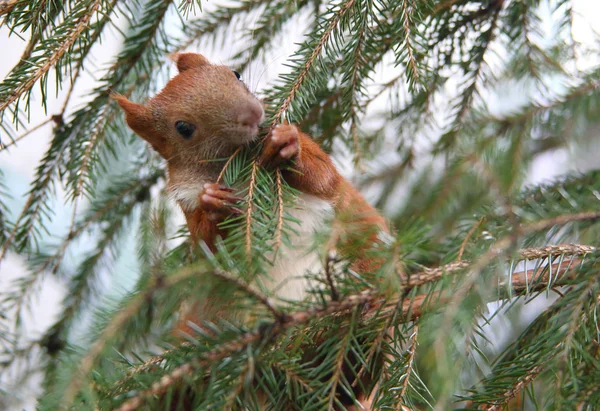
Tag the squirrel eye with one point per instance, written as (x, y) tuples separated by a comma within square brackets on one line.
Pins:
[(184, 129), (239, 77)]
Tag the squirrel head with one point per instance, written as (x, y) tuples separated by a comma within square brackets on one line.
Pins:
[(203, 113)]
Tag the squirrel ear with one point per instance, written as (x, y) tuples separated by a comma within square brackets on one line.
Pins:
[(139, 118), (186, 61), (137, 115)]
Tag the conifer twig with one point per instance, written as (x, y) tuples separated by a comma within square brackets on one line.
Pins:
[(412, 62), (414, 307), (337, 375), (25, 134), (114, 326), (280, 209), (409, 367), (313, 57), (227, 163), (243, 341), (263, 299), (500, 404), (495, 251), (463, 245), (329, 261), (6, 6), (54, 58), (249, 209)]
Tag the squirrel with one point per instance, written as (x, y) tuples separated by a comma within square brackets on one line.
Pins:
[(205, 113)]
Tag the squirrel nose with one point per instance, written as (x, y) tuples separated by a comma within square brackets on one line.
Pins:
[(252, 115)]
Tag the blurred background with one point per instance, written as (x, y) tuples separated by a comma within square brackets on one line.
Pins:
[(19, 161)]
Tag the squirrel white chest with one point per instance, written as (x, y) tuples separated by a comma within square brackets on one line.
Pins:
[(286, 278)]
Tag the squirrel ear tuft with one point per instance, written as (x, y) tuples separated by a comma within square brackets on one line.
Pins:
[(186, 61)]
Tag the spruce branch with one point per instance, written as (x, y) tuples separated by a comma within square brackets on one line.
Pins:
[(115, 325), (463, 245), (267, 29), (299, 80), (409, 367), (6, 6), (243, 341), (407, 17), (251, 187), (330, 260), (25, 134), (227, 163), (248, 289), (512, 393), (53, 58), (212, 21), (357, 62), (413, 307), (340, 358), (466, 99), (117, 203), (89, 117), (280, 209)]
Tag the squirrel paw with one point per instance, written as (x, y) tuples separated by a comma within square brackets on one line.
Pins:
[(282, 145), (219, 201)]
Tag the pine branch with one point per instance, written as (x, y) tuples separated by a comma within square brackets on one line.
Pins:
[(409, 367), (115, 326), (6, 6), (249, 209), (316, 51), (264, 300), (512, 393), (414, 307), (94, 116), (56, 55)]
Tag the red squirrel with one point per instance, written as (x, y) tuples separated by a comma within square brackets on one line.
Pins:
[(205, 113)]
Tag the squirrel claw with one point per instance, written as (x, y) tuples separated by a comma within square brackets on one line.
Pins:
[(219, 201), (282, 144)]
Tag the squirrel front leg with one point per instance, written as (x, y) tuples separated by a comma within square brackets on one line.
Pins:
[(307, 168), (215, 203)]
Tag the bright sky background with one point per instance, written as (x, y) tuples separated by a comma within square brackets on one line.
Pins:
[(20, 161)]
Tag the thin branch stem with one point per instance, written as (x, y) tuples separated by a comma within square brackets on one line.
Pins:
[(280, 209), (6, 6), (229, 160), (468, 237), (249, 209), (25, 134), (412, 62), (512, 393), (329, 262), (409, 366), (264, 300)]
